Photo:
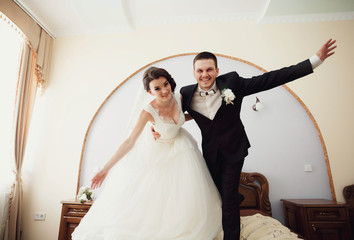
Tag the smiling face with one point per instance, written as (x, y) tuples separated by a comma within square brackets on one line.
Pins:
[(161, 89), (205, 72)]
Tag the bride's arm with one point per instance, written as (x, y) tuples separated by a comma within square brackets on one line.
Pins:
[(123, 149), (186, 115)]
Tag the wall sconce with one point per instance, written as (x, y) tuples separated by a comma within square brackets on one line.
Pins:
[(258, 105)]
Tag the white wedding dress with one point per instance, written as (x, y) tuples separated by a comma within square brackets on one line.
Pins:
[(161, 190)]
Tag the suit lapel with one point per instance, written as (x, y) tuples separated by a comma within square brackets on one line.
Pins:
[(190, 94), (221, 85)]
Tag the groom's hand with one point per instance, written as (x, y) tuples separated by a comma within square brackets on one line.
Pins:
[(155, 134), (326, 50)]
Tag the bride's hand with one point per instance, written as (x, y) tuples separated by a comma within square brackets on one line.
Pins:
[(98, 179), (155, 134)]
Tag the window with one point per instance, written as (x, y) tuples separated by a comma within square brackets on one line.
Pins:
[(11, 42)]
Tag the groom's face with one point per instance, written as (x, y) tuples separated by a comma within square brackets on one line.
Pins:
[(205, 72)]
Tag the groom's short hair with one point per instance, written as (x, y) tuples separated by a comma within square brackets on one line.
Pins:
[(206, 55), (153, 73)]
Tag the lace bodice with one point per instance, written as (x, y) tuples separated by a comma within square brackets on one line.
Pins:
[(167, 130)]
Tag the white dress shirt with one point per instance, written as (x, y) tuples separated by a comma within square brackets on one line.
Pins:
[(210, 104)]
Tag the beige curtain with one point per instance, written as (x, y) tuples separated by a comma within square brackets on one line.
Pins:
[(27, 25), (34, 71), (44, 54), (26, 92)]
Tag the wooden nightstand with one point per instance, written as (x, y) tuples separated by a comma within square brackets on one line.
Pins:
[(71, 215), (317, 219)]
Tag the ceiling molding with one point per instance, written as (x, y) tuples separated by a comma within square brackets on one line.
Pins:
[(34, 17), (307, 18), (92, 17)]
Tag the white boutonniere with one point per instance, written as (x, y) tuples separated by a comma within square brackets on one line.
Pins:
[(228, 96), (85, 194)]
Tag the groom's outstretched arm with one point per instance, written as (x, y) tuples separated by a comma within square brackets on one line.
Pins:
[(284, 75)]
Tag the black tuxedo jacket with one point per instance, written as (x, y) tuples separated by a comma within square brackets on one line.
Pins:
[(226, 133)]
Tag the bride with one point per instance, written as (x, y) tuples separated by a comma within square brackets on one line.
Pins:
[(158, 189)]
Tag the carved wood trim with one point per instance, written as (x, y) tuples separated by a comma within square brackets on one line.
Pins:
[(225, 56), (348, 193), (259, 183)]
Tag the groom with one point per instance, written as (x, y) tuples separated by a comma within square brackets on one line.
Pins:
[(215, 104)]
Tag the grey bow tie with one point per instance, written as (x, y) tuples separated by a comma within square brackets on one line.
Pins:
[(211, 92)]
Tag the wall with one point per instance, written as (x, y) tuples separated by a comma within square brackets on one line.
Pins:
[(86, 69)]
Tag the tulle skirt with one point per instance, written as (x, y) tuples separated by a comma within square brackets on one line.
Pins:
[(161, 190)]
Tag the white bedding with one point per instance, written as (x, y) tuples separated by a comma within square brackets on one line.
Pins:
[(259, 227)]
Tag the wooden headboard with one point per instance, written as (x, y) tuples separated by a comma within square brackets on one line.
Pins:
[(255, 188)]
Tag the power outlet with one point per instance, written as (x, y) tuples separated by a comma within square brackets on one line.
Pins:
[(39, 216), (308, 168)]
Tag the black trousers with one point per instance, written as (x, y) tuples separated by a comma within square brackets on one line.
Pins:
[(227, 178)]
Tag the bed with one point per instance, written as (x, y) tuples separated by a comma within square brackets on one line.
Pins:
[(256, 212)]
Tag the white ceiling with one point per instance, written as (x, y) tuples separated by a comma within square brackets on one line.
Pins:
[(88, 17)]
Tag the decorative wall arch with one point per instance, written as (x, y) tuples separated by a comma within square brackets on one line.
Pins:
[(284, 111)]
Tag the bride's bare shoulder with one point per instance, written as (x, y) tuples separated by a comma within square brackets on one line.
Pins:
[(146, 115), (153, 103)]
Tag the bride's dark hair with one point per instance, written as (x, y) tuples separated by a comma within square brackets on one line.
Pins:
[(153, 73)]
